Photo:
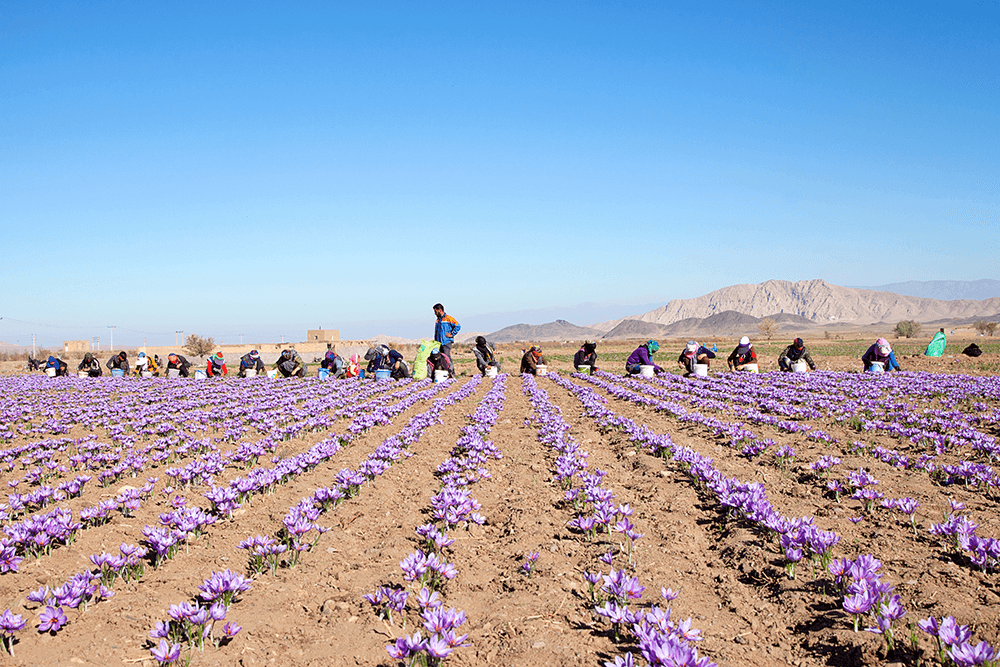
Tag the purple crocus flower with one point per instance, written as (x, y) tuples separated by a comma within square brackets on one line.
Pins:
[(166, 653), (51, 619)]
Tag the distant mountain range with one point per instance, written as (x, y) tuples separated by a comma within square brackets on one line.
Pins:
[(946, 290), (802, 305)]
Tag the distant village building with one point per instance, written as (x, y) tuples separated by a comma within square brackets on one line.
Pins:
[(323, 336), (76, 346)]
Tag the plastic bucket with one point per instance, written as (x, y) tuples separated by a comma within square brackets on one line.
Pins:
[(173, 372), (701, 370), (877, 367), (82, 374), (751, 368), (250, 372), (147, 374), (799, 366), (323, 373), (583, 369), (491, 371), (647, 371), (117, 373), (541, 369), (51, 372), (200, 375), (440, 376), (383, 374), (272, 374)]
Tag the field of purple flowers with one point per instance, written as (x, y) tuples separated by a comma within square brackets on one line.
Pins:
[(820, 519)]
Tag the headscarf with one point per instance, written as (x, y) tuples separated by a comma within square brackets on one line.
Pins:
[(172, 358), (536, 351), (480, 342), (589, 346), (883, 346), (798, 344), (744, 346), (254, 354), (652, 346), (217, 359)]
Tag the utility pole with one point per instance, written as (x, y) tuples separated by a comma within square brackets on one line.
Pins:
[(112, 327), (177, 340), (33, 346), (241, 339)]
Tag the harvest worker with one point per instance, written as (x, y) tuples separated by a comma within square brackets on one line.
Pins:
[(438, 361), (290, 364), (251, 361), (446, 328), (742, 355), (178, 363), (486, 355), (797, 350), (381, 358), (586, 356), (144, 363), (354, 367), (216, 366), (119, 362), (532, 359), (642, 356), (60, 366), (90, 365), (936, 347), (880, 352), (693, 355), (334, 363)]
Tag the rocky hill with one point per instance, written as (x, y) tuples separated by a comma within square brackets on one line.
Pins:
[(817, 301), (558, 330)]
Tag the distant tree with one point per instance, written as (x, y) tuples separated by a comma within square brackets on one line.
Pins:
[(199, 346), (985, 328), (907, 328), (767, 328)]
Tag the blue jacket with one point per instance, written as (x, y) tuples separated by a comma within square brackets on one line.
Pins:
[(445, 329)]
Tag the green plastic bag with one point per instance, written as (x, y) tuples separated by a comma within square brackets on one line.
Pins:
[(420, 363), (936, 347)]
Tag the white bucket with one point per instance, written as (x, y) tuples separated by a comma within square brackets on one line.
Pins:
[(877, 367), (51, 372), (541, 369), (272, 374), (250, 372), (751, 368), (583, 369), (491, 371), (647, 371), (82, 374), (701, 370), (200, 375), (440, 376), (799, 366), (147, 374), (117, 372), (173, 372)]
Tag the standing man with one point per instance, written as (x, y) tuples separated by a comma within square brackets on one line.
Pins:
[(445, 329)]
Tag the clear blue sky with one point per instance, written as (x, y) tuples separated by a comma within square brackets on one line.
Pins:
[(227, 168)]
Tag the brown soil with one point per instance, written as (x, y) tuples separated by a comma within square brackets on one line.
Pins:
[(731, 581)]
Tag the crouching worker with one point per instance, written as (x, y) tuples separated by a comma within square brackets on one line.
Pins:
[(642, 356), (251, 362), (118, 362), (90, 365), (334, 363), (216, 366), (742, 355), (586, 356), (179, 363), (146, 364), (60, 366), (486, 355), (438, 361), (693, 355), (290, 364), (532, 359), (794, 352), (880, 357)]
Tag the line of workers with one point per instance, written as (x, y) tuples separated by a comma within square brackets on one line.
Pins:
[(878, 357)]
